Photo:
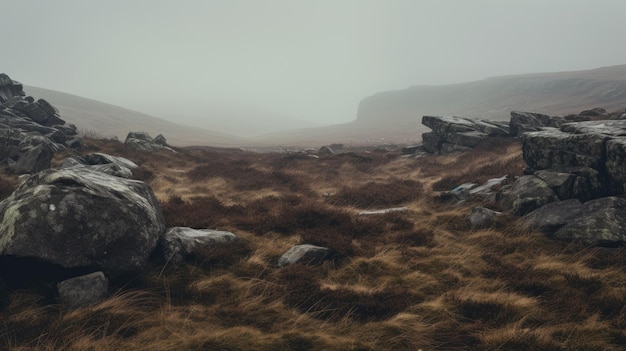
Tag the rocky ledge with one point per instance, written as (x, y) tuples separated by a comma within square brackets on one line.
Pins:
[(30, 131)]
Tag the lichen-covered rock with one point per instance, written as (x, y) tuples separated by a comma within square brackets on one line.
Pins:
[(180, 243), (84, 290), (601, 222), (554, 148), (32, 160), (304, 254), (78, 217), (551, 217), (527, 194)]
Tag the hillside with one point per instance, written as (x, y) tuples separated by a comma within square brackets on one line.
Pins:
[(110, 120), (395, 115)]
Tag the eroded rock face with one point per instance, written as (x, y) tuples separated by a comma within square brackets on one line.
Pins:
[(597, 145), (450, 133), (527, 194), (78, 217)]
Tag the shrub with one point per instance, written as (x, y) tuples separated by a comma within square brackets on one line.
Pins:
[(393, 192)]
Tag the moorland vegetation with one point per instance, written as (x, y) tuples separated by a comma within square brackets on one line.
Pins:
[(416, 280)]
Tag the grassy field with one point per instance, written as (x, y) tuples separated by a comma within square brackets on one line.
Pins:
[(416, 280)]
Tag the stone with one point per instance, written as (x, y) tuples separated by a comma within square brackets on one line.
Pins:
[(527, 194), (77, 217), (522, 122), (160, 140), (482, 217), (102, 159), (601, 222), (551, 217), (33, 160), (384, 211), (304, 254), (180, 243), (9, 88), (84, 290), (325, 151), (452, 134), (142, 141)]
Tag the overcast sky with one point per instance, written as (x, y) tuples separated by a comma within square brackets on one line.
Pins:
[(196, 60)]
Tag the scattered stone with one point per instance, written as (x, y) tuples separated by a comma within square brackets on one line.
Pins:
[(33, 160), (180, 243), (84, 290), (384, 211), (482, 217), (304, 254)]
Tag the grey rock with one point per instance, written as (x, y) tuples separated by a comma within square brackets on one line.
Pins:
[(84, 290), (551, 217), (304, 254), (412, 149), (554, 148), (527, 194), (180, 243), (103, 159), (33, 160), (432, 142), (160, 140), (77, 217), (522, 122), (482, 217), (452, 134), (9, 88), (73, 161), (325, 151), (601, 222), (384, 211)]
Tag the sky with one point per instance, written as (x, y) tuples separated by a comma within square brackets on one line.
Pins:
[(224, 64)]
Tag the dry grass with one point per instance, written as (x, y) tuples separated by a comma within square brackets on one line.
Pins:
[(415, 280)]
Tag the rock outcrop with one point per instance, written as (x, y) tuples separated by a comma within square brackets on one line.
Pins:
[(30, 131), (79, 217), (450, 134), (144, 142)]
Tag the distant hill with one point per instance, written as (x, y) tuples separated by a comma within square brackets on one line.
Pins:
[(110, 120), (395, 116)]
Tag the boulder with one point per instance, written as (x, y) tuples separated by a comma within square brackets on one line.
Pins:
[(103, 159), (304, 254), (600, 222), (527, 194), (180, 243), (549, 149), (78, 217), (384, 211), (84, 290), (551, 217), (482, 217)]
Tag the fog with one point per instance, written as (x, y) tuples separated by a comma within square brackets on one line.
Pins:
[(249, 66)]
